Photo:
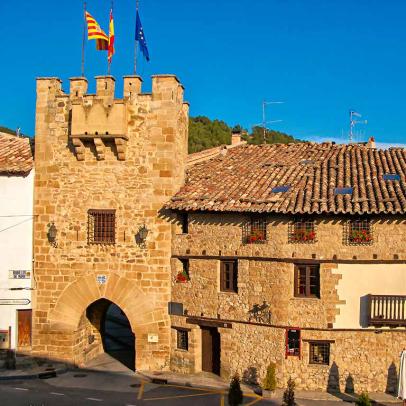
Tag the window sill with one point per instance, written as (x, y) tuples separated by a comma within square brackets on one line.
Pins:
[(314, 364), (305, 298), (227, 292), (181, 350)]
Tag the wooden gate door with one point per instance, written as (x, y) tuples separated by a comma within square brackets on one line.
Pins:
[(211, 350), (24, 328)]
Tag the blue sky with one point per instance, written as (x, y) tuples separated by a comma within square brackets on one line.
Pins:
[(321, 57)]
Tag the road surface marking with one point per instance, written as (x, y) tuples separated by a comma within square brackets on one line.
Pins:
[(57, 394), (181, 396), (20, 389), (222, 400), (95, 399), (254, 401), (141, 391), (192, 388)]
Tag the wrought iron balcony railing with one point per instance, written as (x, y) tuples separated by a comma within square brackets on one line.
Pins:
[(386, 310)]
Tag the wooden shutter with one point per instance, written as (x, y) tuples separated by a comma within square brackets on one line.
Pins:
[(222, 276)]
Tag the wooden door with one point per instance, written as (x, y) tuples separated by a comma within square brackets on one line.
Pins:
[(24, 328), (211, 350)]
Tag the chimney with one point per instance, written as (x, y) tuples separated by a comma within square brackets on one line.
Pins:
[(236, 138), (371, 143)]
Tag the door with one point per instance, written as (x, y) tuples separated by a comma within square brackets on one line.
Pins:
[(211, 350), (24, 328)]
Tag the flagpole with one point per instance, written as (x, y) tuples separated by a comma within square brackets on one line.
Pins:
[(84, 39), (108, 60), (135, 36)]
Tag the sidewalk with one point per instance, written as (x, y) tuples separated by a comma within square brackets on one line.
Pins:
[(211, 381), (28, 367)]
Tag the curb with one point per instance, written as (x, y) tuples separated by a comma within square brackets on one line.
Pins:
[(38, 375)]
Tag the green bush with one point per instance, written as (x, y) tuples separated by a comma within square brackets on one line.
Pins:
[(235, 396), (289, 394), (363, 400), (269, 382)]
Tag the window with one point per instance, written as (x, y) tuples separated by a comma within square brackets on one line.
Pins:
[(254, 231), (293, 342), (183, 276), (391, 176), (359, 232), (302, 231), (184, 222), (182, 339), (228, 276), (307, 281), (319, 352), (101, 226)]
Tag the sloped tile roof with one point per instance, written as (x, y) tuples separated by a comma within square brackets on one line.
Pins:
[(15, 155), (242, 180)]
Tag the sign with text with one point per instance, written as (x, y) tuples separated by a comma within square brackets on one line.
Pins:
[(19, 274), (15, 301), (152, 338)]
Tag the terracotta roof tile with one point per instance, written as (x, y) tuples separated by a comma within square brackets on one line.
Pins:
[(16, 155), (242, 180)]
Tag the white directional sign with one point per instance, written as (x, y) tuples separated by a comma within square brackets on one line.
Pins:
[(15, 301)]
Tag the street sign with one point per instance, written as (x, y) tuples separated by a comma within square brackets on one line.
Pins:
[(19, 274), (15, 301)]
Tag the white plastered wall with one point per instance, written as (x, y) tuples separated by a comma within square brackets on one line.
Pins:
[(16, 221), (359, 280)]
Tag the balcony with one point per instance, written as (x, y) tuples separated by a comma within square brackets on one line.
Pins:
[(386, 310)]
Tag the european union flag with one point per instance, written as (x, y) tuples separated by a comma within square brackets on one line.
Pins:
[(140, 37)]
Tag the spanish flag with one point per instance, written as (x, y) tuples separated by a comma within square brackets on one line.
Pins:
[(95, 32), (111, 38)]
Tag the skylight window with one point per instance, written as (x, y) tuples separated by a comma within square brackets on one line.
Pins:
[(280, 189), (391, 176), (343, 190)]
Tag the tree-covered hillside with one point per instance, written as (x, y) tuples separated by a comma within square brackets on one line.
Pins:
[(205, 133), (6, 130)]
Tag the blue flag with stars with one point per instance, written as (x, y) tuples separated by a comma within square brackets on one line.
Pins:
[(140, 37)]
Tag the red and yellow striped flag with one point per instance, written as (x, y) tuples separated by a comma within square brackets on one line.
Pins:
[(95, 32), (111, 38)]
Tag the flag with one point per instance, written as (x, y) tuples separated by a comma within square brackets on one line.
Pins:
[(95, 32), (140, 37), (111, 38)]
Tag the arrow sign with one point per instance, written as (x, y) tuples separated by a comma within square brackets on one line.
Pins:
[(15, 301)]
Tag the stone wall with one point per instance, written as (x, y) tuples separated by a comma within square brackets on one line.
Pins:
[(88, 159)]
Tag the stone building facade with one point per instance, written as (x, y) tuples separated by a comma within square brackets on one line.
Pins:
[(104, 168), (348, 332)]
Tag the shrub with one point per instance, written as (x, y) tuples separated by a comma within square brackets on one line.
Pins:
[(269, 382), (363, 400), (235, 397), (289, 394)]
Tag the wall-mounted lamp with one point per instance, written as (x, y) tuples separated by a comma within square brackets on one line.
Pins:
[(52, 231), (141, 236)]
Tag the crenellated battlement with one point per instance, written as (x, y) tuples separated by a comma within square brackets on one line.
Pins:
[(101, 118)]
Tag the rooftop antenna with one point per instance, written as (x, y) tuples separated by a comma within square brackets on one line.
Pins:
[(264, 122), (353, 122)]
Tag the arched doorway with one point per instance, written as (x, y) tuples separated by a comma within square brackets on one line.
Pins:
[(112, 332)]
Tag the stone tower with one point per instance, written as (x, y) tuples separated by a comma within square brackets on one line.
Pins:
[(104, 169)]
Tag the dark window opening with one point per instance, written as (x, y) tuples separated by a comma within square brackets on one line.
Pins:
[(307, 281), (293, 343), (182, 341), (359, 232), (183, 276), (319, 353), (101, 226), (184, 222), (228, 276)]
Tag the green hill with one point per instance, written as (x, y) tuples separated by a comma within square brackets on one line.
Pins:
[(7, 130), (205, 133)]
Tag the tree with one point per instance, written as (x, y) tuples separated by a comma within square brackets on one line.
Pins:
[(235, 396), (269, 382), (363, 400), (289, 394)]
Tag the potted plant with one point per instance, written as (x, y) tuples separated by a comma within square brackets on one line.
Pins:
[(363, 400), (360, 236), (182, 277), (269, 382), (235, 396), (256, 235), (304, 235), (289, 394)]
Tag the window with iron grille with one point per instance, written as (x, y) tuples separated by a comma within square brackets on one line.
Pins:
[(101, 226), (302, 231), (182, 339), (254, 231), (228, 276), (307, 280), (319, 353), (358, 232)]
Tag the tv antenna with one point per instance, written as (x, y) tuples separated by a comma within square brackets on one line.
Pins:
[(353, 122), (264, 121)]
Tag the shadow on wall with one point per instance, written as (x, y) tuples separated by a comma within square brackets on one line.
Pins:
[(392, 380), (363, 311), (250, 376), (333, 383)]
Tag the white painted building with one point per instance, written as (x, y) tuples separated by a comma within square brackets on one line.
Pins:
[(16, 232)]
